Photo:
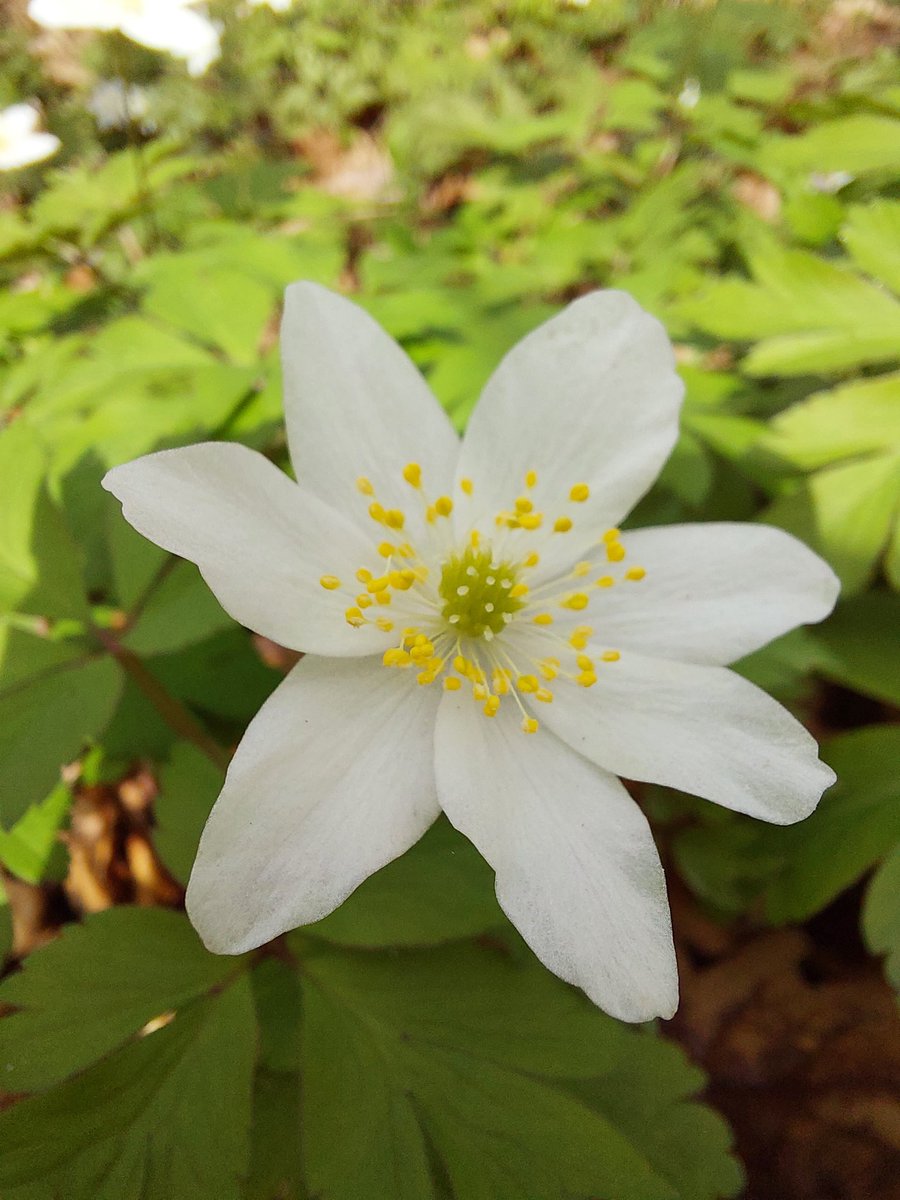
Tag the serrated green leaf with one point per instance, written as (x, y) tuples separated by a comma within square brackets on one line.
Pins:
[(861, 641), (438, 891), (445, 1071), (95, 987), (881, 916), (180, 611), (872, 235), (859, 144), (856, 823), (45, 721), (188, 787), (32, 849), (167, 1116)]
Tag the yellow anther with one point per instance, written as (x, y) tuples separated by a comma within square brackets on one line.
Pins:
[(580, 493), (395, 657), (544, 695), (612, 535), (405, 550), (529, 725), (531, 560), (422, 653), (528, 683), (604, 581), (421, 639), (576, 601), (385, 549), (382, 597), (353, 616), (530, 478), (584, 662), (581, 569), (467, 486), (444, 506), (474, 539), (549, 670), (501, 683), (402, 580), (394, 518), (579, 639), (524, 505), (562, 524), (480, 692), (543, 619), (384, 624), (586, 679), (635, 573), (364, 600), (610, 655), (412, 473), (425, 677), (431, 514), (519, 590), (410, 632), (330, 582), (452, 684), (531, 520), (376, 511), (491, 706), (365, 486), (379, 584), (615, 551), (460, 664), (363, 575)]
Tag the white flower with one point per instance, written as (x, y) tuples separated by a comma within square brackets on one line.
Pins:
[(21, 143), (115, 106), (167, 25), (275, 5), (481, 639)]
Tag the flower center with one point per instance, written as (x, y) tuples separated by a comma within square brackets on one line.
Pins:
[(463, 610), (479, 595)]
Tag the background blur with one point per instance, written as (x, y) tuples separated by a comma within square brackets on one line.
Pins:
[(462, 169)]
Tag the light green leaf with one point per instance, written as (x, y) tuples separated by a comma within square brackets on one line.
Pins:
[(45, 721), (439, 890), (32, 849), (446, 1071), (856, 823), (859, 144), (881, 916), (872, 235), (95, 987), (167, 1116)]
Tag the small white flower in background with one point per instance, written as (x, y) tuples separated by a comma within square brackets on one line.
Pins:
[(689, 96), (114, 105), (481, 638), (21, 142), (827, 183), (168, 25), (275, 5)]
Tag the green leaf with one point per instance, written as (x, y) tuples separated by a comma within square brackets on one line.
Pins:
[(178, 612), (45, 721), (845, 513), (32, 849), (857, 823), (881, 916), (188, 787), (95, 987), (859, 144), (167, 1116), (449, 1072), (439, 890), (275, 1165), (861, 640), (872, 235)]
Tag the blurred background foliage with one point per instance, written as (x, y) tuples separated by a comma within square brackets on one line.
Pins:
[(463, 169)]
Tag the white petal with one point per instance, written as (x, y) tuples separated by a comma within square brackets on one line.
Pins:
[(712, 593), (177, 30), (356, 406), (334, 778), (261, 542), (577, 870), (74, 14), (33, 148), (700, 729), (589, 397), (18, 121)]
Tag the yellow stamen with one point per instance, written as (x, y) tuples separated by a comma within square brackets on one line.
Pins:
[(576, 601), (531, 560), (364, 486), (544, 695), (524, 504), (384, 624), (452, 684), (610, 655), (353, 616), (530, 478), (604, 581), (376, 511), (330, 582), (394, 518), (531, 520), (527, 683), (467, 486), (543, 619), (363, 600), (612, 535), (443, 506), (635, 573), (580, 493), (562, 525), (529, 725), (586, 679), (412, 473), (581, 569), (491, 706), (395, 657), (385, 549), (615, 551)]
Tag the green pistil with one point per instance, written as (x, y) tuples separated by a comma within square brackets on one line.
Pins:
[(486, 596)]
